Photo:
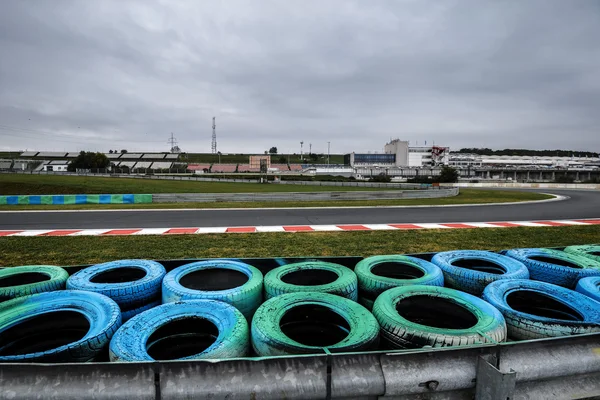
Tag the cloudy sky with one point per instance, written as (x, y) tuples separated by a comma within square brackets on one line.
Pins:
[(102, 75)]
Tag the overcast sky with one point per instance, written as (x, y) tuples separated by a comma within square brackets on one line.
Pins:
[(100, 75)]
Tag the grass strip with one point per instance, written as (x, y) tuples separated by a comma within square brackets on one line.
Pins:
[(466, 196), (95, 249), (20, 184)]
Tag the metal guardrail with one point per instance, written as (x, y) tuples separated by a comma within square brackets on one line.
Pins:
[(303, 196), (567, 367)]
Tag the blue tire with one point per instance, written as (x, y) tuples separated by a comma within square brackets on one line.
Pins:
[(31, 279), (379, 273), (590, 287), (131, 283), (418, 316), (556, 267), (127, 315), (187, 330), (535, 310), (472, 270), (233, 282), (57, 327)]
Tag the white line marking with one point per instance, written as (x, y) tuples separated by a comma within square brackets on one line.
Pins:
[(433, 226), (380, 227), (325, 228), (528, 223), (151, 231), (483, 225), (212, 230), (91, 232), (35, 232), (270, 229)]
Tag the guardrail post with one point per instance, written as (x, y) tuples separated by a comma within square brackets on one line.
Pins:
[(492, 384)]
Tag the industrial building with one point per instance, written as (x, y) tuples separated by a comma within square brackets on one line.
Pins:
[(398, 153)]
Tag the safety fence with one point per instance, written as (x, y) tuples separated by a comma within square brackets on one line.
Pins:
[(76, 199)]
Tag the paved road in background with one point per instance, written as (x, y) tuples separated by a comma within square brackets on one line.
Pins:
[(580, 205)]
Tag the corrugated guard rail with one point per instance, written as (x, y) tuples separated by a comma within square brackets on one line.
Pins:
[(567, 367)]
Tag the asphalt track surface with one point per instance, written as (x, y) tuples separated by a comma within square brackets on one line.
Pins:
[(579, 205)]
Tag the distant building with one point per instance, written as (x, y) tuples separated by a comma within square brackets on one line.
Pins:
[(255, 161), (398, 153), (55, 167)]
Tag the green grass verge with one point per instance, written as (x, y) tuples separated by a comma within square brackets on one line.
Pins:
[(20, 184), (466, 196), (94, 249)]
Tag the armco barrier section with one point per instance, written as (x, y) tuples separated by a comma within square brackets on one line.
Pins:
[(566, 367), (307, 196), (77, 199), (517, 185)]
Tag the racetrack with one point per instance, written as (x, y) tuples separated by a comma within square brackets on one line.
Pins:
[(580, 204)]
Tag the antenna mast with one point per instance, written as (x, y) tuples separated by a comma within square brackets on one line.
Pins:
[(214, 137)]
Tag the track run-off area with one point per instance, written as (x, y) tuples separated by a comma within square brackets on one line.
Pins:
[(569, 208)]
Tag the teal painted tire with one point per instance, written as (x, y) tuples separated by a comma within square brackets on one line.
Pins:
[(187, 330), (418, 316), (379, 273), (556, 267), (31, 279), (312, 276), (472, 270), (57, 327), (308, 323), (589, 251), (232, 282)]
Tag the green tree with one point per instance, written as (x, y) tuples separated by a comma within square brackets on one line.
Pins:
[(273, 150), (89, 160), (448, 174)]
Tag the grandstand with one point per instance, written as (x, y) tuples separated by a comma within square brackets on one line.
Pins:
[(5, 164), (153, 156), (126, 164), (296, 167), (110, 156), (225, 168), (131, 156), (52, 154), (280, 167), (161, 165), (29, 153), (198, 167), (171, 156), (143, 164)]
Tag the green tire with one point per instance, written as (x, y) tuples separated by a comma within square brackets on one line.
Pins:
[(31, 279), (379, 273), (589, 251), (309, 323), (311, 276), (418, 316)]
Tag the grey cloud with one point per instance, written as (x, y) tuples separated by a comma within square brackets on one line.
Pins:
[(101, 75)]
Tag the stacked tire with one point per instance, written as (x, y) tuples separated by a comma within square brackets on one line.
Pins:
[(31, 279), (135, 285)]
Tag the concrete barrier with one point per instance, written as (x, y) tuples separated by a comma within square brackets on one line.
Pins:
[(308, 196)]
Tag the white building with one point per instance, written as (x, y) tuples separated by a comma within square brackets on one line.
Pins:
[(475, 160)]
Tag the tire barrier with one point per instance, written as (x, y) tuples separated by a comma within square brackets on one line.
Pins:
[(311, 322), (233, 282), (556, 267), (57, 327), (535, 310), (133, 284), (590, 251), (472, 270), (379, 273), (312, 276), (76, 199), (418, 316), (30, 279), (590, 287), (187, 330)]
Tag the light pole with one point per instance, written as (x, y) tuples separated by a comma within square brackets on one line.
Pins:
[(328, 146), (301, 144)]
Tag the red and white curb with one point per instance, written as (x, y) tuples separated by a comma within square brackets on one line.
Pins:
[(294, 228)]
